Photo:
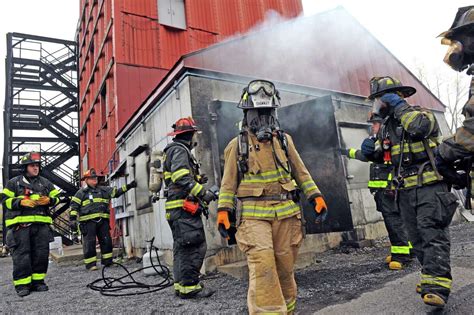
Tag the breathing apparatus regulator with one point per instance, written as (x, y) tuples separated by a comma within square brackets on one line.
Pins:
[(259, 100), (460, 39)]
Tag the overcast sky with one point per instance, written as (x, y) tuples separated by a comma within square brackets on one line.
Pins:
[(408, 28)]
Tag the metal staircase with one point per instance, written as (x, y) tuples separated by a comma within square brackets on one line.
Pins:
[(41, 113)]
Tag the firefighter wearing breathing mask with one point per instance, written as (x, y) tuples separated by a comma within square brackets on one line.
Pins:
[(408, 138), (186, 198), (263, 170), (380, 185), (460, 147), (27, 199)]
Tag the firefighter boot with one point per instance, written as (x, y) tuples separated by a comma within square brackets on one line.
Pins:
[(418, 288), (395, 265), (198, 294), (22, 290), (39, 286), (93, 268), (388, 259), (433, 300)]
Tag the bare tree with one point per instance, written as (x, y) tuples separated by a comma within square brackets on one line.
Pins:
[(450, 87)]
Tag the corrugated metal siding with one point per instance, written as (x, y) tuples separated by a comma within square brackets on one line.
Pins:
[(330, 51), (142, 51)]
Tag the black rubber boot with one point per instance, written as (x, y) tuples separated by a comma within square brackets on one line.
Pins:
[(22, 290), (39, 287), (198, 294)]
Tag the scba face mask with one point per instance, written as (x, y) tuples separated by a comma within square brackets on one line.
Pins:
[(262, 123), (379, 108)]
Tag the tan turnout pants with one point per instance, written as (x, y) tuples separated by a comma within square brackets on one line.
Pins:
[(271, 248)]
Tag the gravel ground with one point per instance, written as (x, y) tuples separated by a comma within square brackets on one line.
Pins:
[(341, 275)]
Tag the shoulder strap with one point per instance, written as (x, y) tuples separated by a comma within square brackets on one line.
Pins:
[(242, 154)]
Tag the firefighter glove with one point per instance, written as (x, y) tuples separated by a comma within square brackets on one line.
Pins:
[(368, 147), (203, 179), (43, 201), (208, 197), (344, 151), (28, 203), (131, 185), (223, 223), (392, 99), (73, 225), (321, 209)]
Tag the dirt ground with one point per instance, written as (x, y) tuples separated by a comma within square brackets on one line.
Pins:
[(340, 275)]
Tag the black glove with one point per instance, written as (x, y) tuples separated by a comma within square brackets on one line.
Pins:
[(208, 197), (73, 224), (203, 179), (343, 151), (131, 185)]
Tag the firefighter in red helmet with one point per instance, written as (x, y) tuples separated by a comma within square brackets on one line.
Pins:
[(186, 201)]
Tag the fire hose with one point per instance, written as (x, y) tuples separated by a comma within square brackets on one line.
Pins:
[(112, 286)]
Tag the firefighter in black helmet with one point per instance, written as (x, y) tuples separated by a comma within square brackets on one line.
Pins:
[(380, 185), (91, 204), (408, 139), (456, 153), (186, 199), (27, 199)]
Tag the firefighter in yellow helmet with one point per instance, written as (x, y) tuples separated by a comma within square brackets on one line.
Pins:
[(91, 204), (261, 169), (27, 199), (456, 152), (408, 138)]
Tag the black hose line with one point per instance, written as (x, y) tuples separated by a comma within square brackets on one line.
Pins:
[(110, 286)]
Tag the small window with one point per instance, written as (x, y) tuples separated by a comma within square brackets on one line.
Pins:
[(172, 13)]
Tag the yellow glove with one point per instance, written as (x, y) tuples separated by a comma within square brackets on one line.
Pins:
[(28, 203), (43, 201)]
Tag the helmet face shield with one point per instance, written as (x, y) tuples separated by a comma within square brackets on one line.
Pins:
[(379, 108)]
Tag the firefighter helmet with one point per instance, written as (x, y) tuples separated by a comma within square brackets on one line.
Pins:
[(31, 158), (183, 125), (259, 94), (463, 22), (90, 173), (382, 85), (374, 118)]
